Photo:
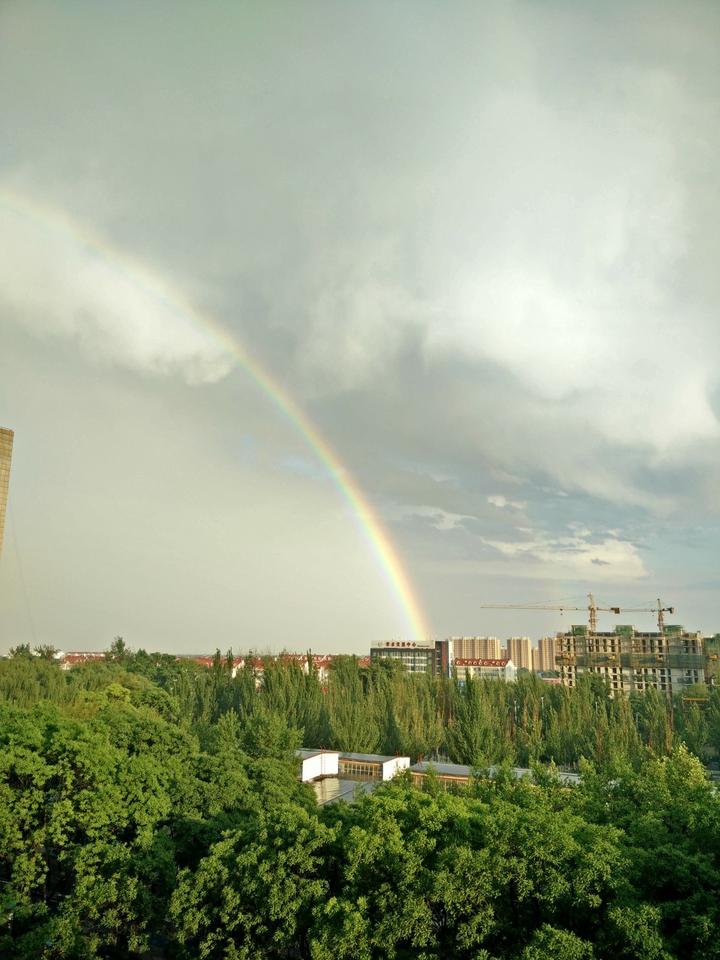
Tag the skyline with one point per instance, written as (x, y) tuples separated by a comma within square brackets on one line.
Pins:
[(496, 320)]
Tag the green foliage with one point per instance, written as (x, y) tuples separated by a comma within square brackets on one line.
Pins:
[(151, 808), (254, 894)]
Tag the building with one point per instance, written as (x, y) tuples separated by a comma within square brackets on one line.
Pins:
[(415, 657), (317, 763), (6, 445), (454, 776), (486, 669), (631, 660), (712, 660), (373, 766), (520, 652), (476, 648), (544, 655)]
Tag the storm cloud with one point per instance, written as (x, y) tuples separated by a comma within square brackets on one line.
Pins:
[(476, 242)]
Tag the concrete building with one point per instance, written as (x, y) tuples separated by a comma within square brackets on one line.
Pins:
[(6, 445), (476, 648), (632, 660), (544, 655), (415, 657), (487, 669), (520, 652)]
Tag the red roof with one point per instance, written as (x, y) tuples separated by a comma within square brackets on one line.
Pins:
[(481, 663), (81, 657)]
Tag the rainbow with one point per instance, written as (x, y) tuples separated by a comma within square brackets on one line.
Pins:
[(160, 290)]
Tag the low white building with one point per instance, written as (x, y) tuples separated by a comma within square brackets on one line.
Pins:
[(317, 763), (488, 669), (373, 765)]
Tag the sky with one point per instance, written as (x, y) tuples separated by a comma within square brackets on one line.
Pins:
[(473, 244)]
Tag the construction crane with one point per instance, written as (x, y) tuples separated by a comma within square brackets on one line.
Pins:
[(592, 608)]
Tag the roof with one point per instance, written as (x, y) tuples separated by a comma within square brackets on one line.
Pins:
[(458, 770), (81, 657), (442, 769), (367, 757), (307, 752)]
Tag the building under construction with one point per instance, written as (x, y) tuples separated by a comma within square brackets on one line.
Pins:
[(668, 660)]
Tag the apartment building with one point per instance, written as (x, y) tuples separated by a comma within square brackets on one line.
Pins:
[(632, 660), (519, 650), (544, 655), (477, 648)]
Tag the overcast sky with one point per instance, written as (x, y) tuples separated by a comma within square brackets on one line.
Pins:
[(476, 243)]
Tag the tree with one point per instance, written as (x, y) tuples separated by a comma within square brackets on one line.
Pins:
[(254, 894)]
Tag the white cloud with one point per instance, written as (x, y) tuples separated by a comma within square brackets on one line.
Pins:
[(438, 518), (501, 502), (573, 558), (56, 280)]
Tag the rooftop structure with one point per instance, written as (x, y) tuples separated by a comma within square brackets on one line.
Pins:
[(373, 766), (453, 775), (317, 763)]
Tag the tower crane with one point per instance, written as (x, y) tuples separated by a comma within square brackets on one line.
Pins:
[(592, 608)]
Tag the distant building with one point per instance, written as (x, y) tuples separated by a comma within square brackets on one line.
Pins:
[(487, 648), (69, 660), (712, 660), (544, 655), (520, 652), (488, 669), (631, 660), (6, 445), (415, 657)]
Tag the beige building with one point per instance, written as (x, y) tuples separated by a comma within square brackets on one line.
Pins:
[(6, 445), (544, 655), (520, 652), (476, 648)]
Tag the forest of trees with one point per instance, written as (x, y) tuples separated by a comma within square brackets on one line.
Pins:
[(150, 807)]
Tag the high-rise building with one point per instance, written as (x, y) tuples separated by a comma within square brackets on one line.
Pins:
[(6, 445), (632, 660), (544, 655), (476, 648), (520, 652)]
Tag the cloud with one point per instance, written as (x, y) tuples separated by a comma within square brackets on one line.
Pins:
[(501, 502), (573, 558), (436, 517), (56, 280)]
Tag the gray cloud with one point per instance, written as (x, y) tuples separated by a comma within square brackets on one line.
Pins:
[(475, 241)]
